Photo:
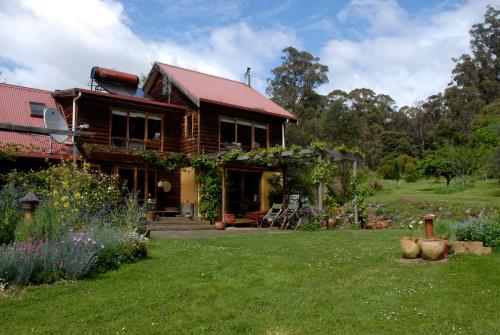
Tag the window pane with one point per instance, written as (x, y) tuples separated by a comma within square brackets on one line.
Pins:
[(152, 183), (118, 125), (141, 182), (227, 133), (245, 135), (127, 177), (154, 128), (37, 108), (189, 126), (137, 124), (260, 135)]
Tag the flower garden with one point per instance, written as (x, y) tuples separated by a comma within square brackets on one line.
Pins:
[(84, 224)]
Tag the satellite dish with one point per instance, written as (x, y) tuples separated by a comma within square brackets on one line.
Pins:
[(53, 119)]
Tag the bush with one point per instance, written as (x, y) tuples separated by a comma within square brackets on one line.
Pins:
[(485, 230), (74, 256), (83, 225), (309, 225), (10, 214)]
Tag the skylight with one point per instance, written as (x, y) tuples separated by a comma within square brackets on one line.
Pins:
[(37, 109)]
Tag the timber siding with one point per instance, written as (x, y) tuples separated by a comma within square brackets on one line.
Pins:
[(187, 145)]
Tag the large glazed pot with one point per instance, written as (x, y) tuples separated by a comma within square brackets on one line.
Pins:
[(410, 247), (432, 249)]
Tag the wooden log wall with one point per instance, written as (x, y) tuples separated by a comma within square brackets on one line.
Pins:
[(188, 145)]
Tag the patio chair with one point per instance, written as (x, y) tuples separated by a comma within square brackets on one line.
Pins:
[(288, 217), (271, 215)]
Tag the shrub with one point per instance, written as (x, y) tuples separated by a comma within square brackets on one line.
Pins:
[(45, 226), (485, 230), (10, 214), (309, 225)]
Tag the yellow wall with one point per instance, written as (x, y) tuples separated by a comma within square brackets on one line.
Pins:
[(265, 188), (189, 188)]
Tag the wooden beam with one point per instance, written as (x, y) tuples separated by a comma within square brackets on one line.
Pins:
[(40, 131)]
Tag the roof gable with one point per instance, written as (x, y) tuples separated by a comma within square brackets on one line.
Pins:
[(201, 87)]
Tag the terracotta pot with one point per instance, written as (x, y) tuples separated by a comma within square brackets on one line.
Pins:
[(220, 225), (332, 223), (379, 225), (446, 247), (150, 216), (369, 225), (432, 249), (410, 247)]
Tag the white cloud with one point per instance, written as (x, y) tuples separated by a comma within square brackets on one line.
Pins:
[(53, 44), (407, 58)]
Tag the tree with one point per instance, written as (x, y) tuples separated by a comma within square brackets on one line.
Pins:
[(296, 79), (453, 162), (292, 87)]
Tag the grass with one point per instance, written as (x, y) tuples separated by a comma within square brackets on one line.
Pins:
[(407, 200), (478, 193), (327, 282)]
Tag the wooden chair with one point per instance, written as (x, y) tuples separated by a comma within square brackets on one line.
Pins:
[(288, 217), (271, 215)]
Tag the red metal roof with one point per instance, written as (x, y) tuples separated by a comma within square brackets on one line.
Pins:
[(15, 109), (205, 87)]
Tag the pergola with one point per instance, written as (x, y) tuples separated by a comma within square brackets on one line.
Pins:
[(334, 156)]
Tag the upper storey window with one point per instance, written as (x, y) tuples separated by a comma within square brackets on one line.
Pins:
[(136, 130), (242, 133)]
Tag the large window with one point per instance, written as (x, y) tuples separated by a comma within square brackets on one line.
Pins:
[(241, 133), (141, 182), (136, 130)]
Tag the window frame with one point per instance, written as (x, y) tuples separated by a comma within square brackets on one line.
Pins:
[(189, 131), (135, 171), (147, 143), (36, 103), (246, 122)]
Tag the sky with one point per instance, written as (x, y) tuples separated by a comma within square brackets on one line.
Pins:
[(400, 48)]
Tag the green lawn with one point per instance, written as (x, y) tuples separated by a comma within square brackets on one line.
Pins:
[(343, 282), (478, 193)]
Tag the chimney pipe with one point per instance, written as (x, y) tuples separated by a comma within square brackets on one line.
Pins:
[(247, 78)]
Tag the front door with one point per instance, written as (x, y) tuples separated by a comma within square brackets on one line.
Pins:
[(243, 191)]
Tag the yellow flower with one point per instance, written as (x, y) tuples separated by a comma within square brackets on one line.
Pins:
[(64, 198), (66, 204), (56, 204), (78, 195), (54, 193)]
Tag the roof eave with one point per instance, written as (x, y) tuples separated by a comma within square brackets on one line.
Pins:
[(256, 110)]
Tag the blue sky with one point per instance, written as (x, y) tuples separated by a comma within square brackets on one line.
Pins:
[(401, 48)]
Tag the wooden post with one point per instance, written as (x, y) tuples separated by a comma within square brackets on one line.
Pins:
[(355, 175), (320, 190), (223, 192)]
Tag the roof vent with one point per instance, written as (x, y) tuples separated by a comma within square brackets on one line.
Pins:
[(112, 81)]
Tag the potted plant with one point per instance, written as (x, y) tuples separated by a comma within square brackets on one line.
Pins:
[(410, 245), (149, 206)]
